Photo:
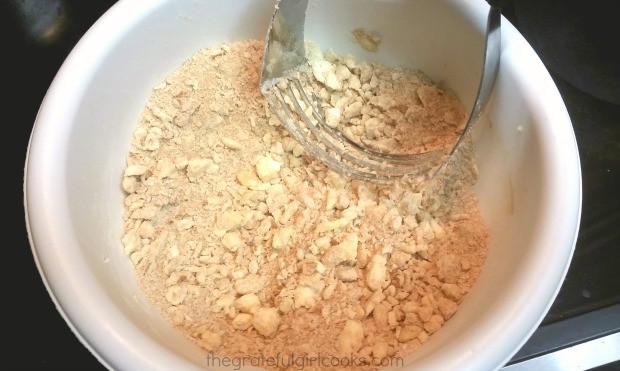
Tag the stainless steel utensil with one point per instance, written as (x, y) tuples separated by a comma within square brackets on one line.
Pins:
[(300, 113)]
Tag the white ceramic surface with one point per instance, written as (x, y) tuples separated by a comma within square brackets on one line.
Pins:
[(529, 186)]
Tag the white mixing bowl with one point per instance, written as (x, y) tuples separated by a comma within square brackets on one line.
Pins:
[(529, 186)]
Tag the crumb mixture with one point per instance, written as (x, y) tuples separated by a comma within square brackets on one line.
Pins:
[(395, 110), (252, 248)]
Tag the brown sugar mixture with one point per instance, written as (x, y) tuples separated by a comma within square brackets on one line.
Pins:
[(252, 248)]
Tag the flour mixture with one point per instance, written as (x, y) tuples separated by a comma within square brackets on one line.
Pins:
[(254, 249)]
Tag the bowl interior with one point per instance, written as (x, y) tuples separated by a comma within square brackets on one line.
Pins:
[(529, 185)]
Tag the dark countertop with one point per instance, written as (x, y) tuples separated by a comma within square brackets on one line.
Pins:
[(573, 39)]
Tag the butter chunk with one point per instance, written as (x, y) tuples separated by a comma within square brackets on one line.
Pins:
[(266, 321), (229, 220), (282, 238), (377, 272), (197, 168), (210, 340), (333, 225), (242, 321), (135, 170), (351, 337), (231, 144), (146, 212), (408, 333), (332, 117), (232, 241), (249, 180), (164, 168), (267, 168), (305, 297), (345, 251), (247, 303)]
